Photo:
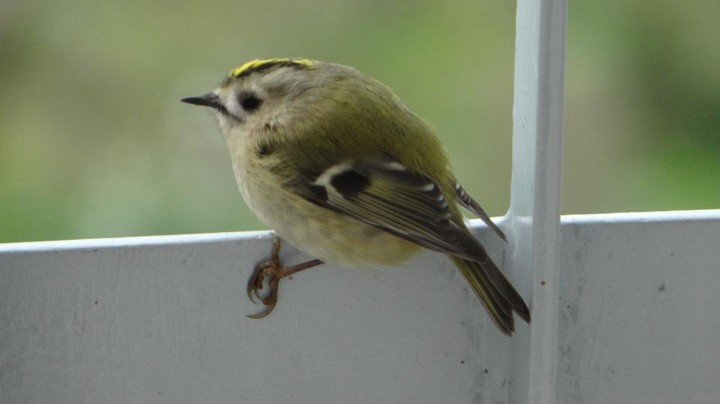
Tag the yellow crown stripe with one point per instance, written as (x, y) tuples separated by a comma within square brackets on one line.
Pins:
[(259, 64)]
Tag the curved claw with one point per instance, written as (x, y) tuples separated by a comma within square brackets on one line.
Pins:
[(255, 283), (272, 271), (250, 293), (251, 288), (262, 314)]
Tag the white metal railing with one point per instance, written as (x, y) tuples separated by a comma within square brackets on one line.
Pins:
[(161, 320)]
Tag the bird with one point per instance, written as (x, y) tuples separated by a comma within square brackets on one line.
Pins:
[(335, 163)]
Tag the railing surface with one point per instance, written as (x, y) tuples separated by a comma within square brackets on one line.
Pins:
[(161, 320)]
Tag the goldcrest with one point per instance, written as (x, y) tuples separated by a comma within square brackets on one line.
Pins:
[(333, 161)]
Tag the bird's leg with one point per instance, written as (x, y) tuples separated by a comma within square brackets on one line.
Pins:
[(274, 271)]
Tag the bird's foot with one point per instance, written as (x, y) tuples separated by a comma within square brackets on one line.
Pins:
[(273, 271)]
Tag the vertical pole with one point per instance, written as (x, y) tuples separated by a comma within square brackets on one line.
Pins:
[(534, 214)]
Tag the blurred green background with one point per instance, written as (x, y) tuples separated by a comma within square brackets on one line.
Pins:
[(94, 143)]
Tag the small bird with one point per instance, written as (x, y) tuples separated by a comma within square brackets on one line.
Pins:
[(332, 160)]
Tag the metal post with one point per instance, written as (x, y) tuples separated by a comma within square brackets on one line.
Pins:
[(535, 198)]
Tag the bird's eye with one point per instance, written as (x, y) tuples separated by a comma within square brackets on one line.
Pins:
[(249, 101)]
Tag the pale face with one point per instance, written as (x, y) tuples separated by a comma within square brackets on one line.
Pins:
[(270, 101)]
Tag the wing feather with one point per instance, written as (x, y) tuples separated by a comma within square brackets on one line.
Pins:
[(470, 204), (388, 195)]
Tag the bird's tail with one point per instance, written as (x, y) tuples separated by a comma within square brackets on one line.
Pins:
[(494, 291)]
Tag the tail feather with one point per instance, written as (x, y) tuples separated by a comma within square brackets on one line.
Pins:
[(495, 292)]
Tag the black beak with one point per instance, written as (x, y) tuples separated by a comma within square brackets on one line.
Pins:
[(208, 100)]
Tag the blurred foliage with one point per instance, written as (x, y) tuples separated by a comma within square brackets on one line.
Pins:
[(94, 143)]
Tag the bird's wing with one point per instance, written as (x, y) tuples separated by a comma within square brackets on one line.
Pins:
[(409, 204), (386, 194), (470, 204)]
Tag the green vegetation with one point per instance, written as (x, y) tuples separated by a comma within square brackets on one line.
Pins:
[(94, 143)]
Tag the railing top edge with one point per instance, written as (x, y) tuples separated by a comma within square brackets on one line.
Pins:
[(203, 238), (643, 217), (119, 242)]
